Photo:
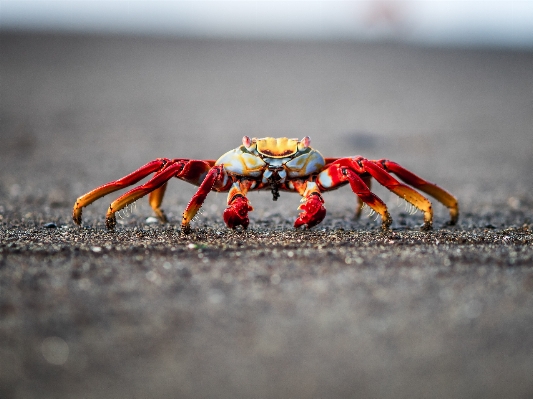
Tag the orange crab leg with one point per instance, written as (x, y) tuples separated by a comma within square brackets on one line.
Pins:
[(432, 189), (155, 199), (199, 197), (156, 182), (192, 171), (412, 196), (341, 172), (113, 186)]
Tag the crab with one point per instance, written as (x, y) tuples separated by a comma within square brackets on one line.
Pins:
[(275, 164)]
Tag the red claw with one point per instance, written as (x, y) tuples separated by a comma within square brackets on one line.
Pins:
[(313, 212), (237, 213)]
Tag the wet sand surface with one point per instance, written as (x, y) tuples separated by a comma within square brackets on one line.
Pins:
[(341, 310)]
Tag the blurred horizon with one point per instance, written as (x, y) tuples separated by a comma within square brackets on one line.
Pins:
[(496, 23)]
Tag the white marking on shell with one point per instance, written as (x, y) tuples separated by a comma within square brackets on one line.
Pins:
[(325, 179), (306, 164), (240, 163)]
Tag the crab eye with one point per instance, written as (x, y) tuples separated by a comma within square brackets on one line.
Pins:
[(305, 142), (246, 141)]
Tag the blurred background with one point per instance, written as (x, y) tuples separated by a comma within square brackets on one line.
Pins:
[(437, 22)]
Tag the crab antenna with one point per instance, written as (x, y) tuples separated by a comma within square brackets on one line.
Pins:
[(246, 141), (305, 142)]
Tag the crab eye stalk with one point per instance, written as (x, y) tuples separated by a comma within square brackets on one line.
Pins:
[(304, 143), (246, 141)]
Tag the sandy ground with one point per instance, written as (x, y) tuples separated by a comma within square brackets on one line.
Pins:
[(341, 310)]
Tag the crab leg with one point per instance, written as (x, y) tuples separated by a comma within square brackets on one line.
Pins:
[(435, 191), (362, 165), (113, 186), (157, 182), (341, 172), (360, 203), (236, 214), (217, 172), (155, 198), (192, 171)]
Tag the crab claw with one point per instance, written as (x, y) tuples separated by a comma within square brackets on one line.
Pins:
[(313, 212), (237, 213)]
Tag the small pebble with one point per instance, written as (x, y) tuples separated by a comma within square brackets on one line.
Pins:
[(50, 225)]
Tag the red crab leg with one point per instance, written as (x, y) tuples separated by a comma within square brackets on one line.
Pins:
[(107, 188), (435, 191), (158, 181), (217, 172), (360, 203), (412, 196), (341, 172), (236, 214)]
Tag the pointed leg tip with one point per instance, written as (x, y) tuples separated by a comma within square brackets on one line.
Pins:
[(427, 226), (162, 217), (385, 226), (453, 219), (76, 216), (386, 221), (111, 222), (451, 223)]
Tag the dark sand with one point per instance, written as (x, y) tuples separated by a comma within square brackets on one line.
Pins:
[(341, 310)]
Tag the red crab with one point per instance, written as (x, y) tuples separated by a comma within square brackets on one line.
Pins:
[(272, 164)]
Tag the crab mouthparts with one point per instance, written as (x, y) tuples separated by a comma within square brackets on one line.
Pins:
[(274, 189), (274, 176)]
